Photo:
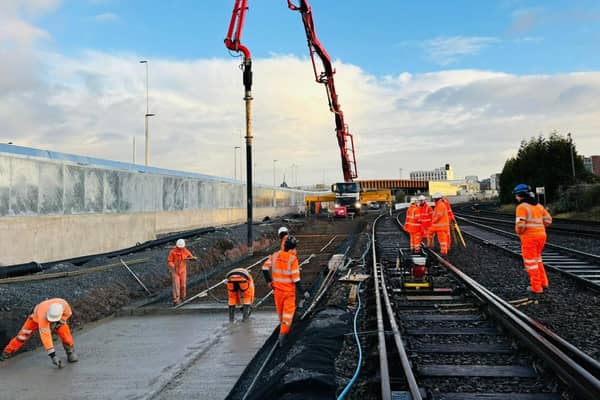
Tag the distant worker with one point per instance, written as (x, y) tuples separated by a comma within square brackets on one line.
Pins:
[(451, 219), (425, 213), (178, 267), (440, 225), (413, 226), (531, 222), (240, 287), (282, 273), (47, 317)]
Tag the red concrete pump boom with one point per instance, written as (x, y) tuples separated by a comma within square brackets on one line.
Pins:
[(233, 42)]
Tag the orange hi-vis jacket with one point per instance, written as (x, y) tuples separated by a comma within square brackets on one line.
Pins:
[(177, 258), (425, 213), (439, 219), (39, 317), (449, 208), (532, 220), (411, 223), (285, 271)]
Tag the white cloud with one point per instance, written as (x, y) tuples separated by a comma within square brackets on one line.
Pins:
[(106, 17), (447, 50)]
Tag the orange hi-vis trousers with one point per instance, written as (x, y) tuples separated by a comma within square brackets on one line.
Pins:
[(415, 240), (285, 304), (443, 237), (179, 277), (531, 250), (240, 290), (30, 326)]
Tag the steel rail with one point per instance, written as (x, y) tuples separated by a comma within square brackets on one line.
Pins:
[(552, 228), (588, 283), (550, 347), (383, 363)]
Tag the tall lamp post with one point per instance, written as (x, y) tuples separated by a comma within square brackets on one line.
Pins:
[(571, 151), (146, 116), (235, 148)]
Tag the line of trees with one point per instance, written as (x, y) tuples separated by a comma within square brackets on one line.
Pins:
[(544, 162)]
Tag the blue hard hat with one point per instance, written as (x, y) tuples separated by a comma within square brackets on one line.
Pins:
[(521, 188)]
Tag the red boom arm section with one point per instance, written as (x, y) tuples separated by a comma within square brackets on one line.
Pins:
[(344, 137), (233, 42)]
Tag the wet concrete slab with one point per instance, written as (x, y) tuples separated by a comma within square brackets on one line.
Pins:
[(144, 357)]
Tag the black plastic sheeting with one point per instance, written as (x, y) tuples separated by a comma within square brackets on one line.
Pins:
[(305, 367), (33, 267)]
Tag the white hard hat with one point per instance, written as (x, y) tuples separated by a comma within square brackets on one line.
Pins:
[(180, 243), (421, 198), (55, 312), (437, 195), (281, 230), (413, 199)]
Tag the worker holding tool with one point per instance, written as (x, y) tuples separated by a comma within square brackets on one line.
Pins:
[(240, 287), (413, 226), (177, 265), (530, 224), (47, 317), (451, 219), (440, 225), (282, 273), (424, 217)]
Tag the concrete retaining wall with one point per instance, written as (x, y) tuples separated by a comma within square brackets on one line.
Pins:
[(55, 206)]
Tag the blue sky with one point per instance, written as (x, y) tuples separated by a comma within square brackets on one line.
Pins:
[(383, 37), (421, 84)]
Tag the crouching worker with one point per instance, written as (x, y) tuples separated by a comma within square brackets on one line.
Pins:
[(282, 273), (48, 316), (240, 287)]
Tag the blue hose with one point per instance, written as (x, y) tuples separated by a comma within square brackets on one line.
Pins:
[(359, 363)]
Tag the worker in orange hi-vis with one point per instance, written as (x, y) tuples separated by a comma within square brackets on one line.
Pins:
[(440, 224), (450, 218), (48, 316), (178, 266), (413, 226), (425, 213), (283, 233), (530, 224), (282, 273), (240, 287)]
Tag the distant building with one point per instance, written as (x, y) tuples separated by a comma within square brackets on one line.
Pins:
[(587, 163), (495, 182), (485, 184), (595, 165), (471, 178), (444, 173)]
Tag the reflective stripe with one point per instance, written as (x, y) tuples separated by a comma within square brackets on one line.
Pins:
[(297, 280), (531, 268), (44, 330), (530, 260), (283, 271), (283, 280), (288, 315), (22, 338), (26, 331), (51, 350)]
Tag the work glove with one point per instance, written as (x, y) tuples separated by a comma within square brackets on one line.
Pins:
[(56, 361), (306, 295)]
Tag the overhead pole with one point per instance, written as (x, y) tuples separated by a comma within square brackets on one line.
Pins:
[(233, 42)]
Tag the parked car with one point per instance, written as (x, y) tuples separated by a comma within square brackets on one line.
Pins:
[(373, 205)]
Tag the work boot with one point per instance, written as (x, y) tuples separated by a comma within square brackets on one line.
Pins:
[(4, 356), (71, 356), (231, 313), (245, 312), (281, 339)]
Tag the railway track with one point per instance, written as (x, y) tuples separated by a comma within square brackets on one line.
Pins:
[(584, 267), (464, 342)]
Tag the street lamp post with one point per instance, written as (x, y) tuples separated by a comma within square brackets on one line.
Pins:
[(146, 116), (134, 149), (235, 148), (571, 151), (274, 185)]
